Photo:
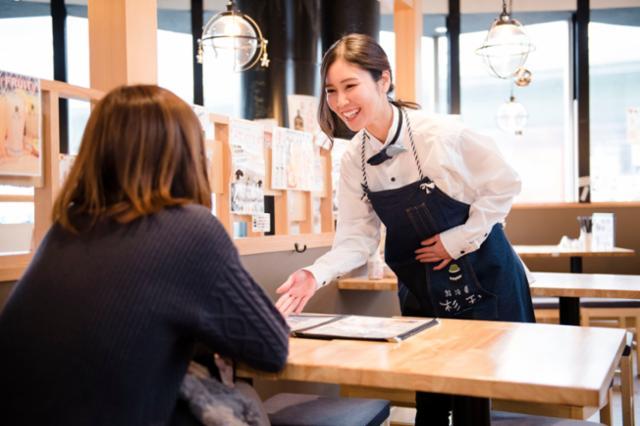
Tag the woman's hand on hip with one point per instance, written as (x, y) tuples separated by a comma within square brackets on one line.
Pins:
[(433, 251), (296, 292)]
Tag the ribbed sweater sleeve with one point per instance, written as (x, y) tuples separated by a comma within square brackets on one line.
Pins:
[(234, 314)]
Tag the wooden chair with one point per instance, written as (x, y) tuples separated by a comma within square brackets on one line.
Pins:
[(621, 313)]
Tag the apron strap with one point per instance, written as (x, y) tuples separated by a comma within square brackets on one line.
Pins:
[(413, 144), (363, 160)]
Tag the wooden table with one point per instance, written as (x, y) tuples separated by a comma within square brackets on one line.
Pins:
[(569, 305), (563, 285), (558, 284), (575, 256), (540, 363)]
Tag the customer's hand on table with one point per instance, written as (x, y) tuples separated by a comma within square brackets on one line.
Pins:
[(296, 292)]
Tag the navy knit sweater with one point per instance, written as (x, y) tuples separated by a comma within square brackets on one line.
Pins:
[(101, 327)]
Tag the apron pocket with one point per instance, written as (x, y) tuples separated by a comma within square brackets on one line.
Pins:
[(456, 291), (422, 221)]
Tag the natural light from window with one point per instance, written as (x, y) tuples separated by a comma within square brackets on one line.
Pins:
[(544, 154), (614, 59)]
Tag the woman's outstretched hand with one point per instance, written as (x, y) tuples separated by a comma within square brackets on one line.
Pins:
[(433, 251), (296, 292)]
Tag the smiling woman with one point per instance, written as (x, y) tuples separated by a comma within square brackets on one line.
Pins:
[(356, 78), (442, 192)]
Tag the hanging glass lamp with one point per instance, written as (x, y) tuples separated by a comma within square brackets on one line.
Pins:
[(512, 117), (507, 46), (233, 38)]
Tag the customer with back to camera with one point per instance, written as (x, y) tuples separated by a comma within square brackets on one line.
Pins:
[(135, 270)]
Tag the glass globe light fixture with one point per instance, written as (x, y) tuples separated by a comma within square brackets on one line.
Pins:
[(512, 117), (506, 47), (233, 38)]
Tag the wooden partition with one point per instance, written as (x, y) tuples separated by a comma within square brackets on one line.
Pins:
[(45, 187), (292, 208)]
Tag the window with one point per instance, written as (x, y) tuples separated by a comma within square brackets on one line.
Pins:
[(221, 85), (175, 52), (77, 72), (434, 88), (544, 154), (614, 78), (26, 43)]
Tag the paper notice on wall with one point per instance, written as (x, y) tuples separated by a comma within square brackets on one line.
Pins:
[(292, 160), (20, 124), (246, 140), (261, 222), (303, 110)]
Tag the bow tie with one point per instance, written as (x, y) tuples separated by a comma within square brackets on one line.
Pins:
[(390, 150), (385, 154)]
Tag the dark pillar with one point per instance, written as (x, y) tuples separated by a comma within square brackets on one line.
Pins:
[(581, 95), (196, 31), (453, 32), (292, 28), (341, 17), (59, 27)]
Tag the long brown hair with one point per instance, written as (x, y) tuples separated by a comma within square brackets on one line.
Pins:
[(363, 51), (142, 150)]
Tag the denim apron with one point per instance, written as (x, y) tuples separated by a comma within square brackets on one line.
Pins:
[(489, 283)]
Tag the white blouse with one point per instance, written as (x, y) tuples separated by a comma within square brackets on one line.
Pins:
[(465, 165)]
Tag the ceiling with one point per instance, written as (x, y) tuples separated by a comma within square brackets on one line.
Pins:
[(428, 6), (173, 15)]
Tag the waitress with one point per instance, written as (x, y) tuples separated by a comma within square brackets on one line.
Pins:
[(441, 190)]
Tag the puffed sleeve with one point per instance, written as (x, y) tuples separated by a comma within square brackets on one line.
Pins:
[(494, 183)]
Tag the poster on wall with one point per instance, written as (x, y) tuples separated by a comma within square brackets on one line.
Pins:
[(20, 135), (246, 140), (292, 160), (303, 112)]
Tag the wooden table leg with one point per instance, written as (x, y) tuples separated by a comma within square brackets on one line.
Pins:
[(606, 412), (626, 387)]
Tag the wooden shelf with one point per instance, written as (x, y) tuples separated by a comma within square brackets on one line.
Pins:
[(293, 209)]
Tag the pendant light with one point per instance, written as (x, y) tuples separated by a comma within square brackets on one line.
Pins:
[(512, 116), (233, 38), (507, 46)]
